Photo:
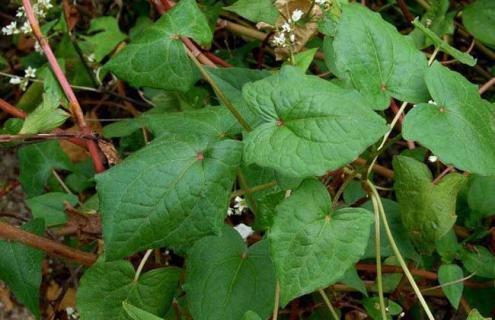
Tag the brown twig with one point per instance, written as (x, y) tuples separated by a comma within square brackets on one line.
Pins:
[(405, 11), (64, 83), (53, 248), (381, 170), (10, 109), (487, 85)]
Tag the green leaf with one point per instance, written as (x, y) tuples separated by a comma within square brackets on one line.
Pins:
[(479, 261), (20, 268), (138, 314), (398, 231), (256, 11), (458, 127), (45, 117), (225, 279), (123, 128), (438, 20), (372, 306), (447, 246), (351, 279), (427, 210), (463, 57), (475, 315), (50, 207), (214, 122), (231, 81), (310, 243), (105, 36), (106, 285), (36, 163), (479, 20), (308, 131), (171, 193), (250, 315), (303, 59), (448, 273), (481, 196), (379, 61), (156, 58)]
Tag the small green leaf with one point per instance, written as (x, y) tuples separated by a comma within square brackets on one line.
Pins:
[(20, 268), (378, 61), (448, 273), (106, 285), (458, 127), (372, 306), (481, 197), (351, 279), (105, 36), (45, 117), (479, 19), (308, 131), (138, 314), (250, 315), (36, 164), (225, 279), (256, 11), (463, 57), (303, 59), (438, 20), (50, 207), (310, 243), (448, 247), (156, 58), (171, 193), (475, 315), (480, 261), (427, 210)]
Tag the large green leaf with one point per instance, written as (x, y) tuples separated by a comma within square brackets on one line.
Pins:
[(137, 313), (427, 210), (37, 162), (106, 285), (378, 61), (310, 125), (157, 58), (256, 11), (225, 279), (20, 268), (479, 19), (447, 275), (312, 246), (170, 193), (459, 127)]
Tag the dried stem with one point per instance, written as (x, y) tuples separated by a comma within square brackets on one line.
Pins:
[(64, 83), (53, 248)]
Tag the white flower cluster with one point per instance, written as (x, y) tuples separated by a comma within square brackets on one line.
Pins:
[(239, 206), (285, 36), (40, 9), (23, 82)]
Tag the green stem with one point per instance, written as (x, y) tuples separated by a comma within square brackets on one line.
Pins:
[(260, 187), (276, 305), (378, 254), (141, 264), (397, 253), (219, 92), (329, 304)]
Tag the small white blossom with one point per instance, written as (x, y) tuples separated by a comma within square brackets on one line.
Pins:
[(286, 27), (297, 15), (30, 72), (91, 58), (37, 47), (279, 40), (15, 80), (20, 12), (231, 212), (69, 311), (47, 4), (26, 28), (240, 204), (292, 38), (433, 158), (432, 102), (320, 2), (10, 29), (402, 315), (244, 230)]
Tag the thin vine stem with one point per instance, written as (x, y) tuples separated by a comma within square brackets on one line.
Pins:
[(398, 255), (141, 264), (328, 304), (276, 304), (378, 254)]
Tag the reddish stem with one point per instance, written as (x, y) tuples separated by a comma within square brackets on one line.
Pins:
[(64, 83), (10, 109)]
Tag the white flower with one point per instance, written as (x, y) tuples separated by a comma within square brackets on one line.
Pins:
[(320, 2), (26, 28), (30, 72), (46, 4), (231, 212), (91, 58), (240, 204), (69, 311), (20, 12), (37, 47), (432, 102), (286, 27), (15, 80), (279, 40), (292, 38), (433, 158), (402, 314), (244, 230), (10, 29), (297, 15)]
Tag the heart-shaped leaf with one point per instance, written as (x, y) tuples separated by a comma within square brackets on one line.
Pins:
[(427, 210), (307, 131), (312, 246), (449, 277)]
